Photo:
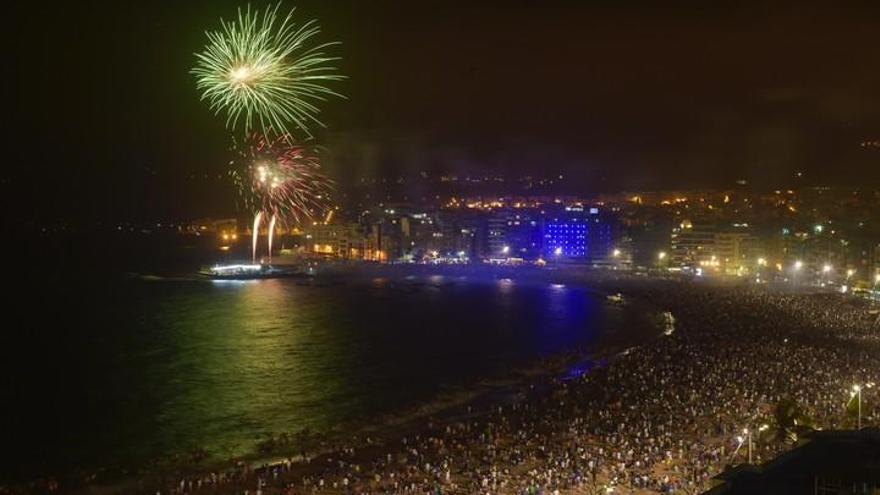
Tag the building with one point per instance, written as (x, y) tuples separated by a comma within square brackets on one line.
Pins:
[(829, 462), (737, 250), (496, 244), (524, 235), (220, 226), (730, 249), (578, 234), (693, 245), (345, 241)]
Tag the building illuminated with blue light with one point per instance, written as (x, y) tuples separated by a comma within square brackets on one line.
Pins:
[(577, 234)]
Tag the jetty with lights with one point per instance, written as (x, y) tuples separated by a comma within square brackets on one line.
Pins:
[(255, 271)]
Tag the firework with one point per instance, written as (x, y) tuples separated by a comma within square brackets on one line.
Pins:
[(282, 179), (260, 71)]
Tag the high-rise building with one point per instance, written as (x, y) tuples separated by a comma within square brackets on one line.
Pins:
[(496, 234), (693, 245), (577, 234), (737, 249)]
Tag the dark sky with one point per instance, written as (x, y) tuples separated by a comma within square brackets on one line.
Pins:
[(106, 121)]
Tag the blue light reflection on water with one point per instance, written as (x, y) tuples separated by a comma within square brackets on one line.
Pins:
[(135, 370)]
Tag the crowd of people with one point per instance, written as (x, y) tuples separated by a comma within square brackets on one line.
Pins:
[(665, 416)]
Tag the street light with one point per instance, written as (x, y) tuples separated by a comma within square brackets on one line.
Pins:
[(850, 273), (798, 264), (616, 253), (857, 394), (748, 440), (748, 434), (826, 268), (661, 255), (505, 249)]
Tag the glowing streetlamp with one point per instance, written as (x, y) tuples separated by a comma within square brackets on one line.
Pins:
[(505, 249), (748, 440), (798, 265), (762, 262), (616, 253), (850, 273), (857, 394), (826, 268)]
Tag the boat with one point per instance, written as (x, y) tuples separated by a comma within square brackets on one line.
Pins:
[(255, 272), (615, 298)]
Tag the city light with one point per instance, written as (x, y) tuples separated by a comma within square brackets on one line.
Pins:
[(857, 394), (746, 438), (231, 269), (435, 308)]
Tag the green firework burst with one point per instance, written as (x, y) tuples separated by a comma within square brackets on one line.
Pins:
[(260, 71)]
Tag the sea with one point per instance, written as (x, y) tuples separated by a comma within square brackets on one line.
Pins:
[(117, 370)]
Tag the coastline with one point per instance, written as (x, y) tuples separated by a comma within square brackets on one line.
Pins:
[(687, 392), (477, 400)]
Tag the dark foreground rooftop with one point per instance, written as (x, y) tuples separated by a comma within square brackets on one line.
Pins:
[(829, 462)]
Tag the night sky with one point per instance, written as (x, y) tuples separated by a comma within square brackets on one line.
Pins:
[(106, 121)]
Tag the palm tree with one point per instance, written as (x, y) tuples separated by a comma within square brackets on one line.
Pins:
[(791, 421)]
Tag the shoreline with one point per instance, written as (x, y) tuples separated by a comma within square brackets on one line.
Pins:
[(704, 384), (471, 401)]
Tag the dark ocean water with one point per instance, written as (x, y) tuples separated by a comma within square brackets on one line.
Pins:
[(116, 371)]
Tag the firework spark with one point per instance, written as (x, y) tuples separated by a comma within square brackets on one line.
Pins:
[(282, 180), (261, 73)]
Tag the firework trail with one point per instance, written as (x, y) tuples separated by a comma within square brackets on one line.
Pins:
[(281, 181)]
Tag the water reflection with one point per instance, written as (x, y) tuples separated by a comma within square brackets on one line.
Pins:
[(183, 365)]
